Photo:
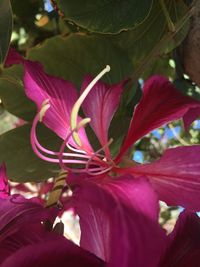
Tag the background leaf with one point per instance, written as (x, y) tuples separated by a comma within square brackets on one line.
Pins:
[(22, 164), (106, 16), (152, 39), (5, 28), (77, 55), (12, 93)]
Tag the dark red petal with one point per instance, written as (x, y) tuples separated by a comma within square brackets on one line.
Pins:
[(161, 103), (13, 57), (16, 211), (175, 176), (100, 105), (61, 94), (190, 116), (184, 243), (60, 253), (118, 219)]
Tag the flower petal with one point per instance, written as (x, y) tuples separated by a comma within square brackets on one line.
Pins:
[(184, 243), (100, 105), (4, 186), (27, 234), (190, 116), (61, 94), (13, 57), (175, 176), (117, 217), (53, 253), (16, 211), (161, 103)]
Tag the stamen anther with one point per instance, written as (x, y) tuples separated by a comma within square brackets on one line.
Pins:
[(44, 108)]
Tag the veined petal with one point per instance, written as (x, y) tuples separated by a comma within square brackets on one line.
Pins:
[(61, 94), (53, 253), (175, 176), (100, 105), (16, 211), (29, 243), (116, 222), (4, 186), (161, 103), (184, 243), (27, 234)]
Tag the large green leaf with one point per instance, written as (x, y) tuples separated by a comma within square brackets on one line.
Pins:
[(106, 16), (22, 164), (77, 55), (12, 93), (152, 38), (5, 28)]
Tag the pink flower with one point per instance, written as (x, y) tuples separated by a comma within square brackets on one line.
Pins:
[(118, 224), (175, 177), (120, 233), (118, 213), (26, 241)]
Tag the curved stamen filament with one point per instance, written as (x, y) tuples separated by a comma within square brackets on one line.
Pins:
[(94, 163), (107, 160), (44, 108), (97, 162), (37, 147), (36, 143), (77, 105), (75, 149), (72, 158)]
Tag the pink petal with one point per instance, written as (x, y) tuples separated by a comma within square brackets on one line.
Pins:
[(175, 176), (62, 95), (118, 219), (100, 105), (184, 243), (190, 116), (160, 104), (20, 224), (16, 211), (53, 253), (27, 234), (4, 186)]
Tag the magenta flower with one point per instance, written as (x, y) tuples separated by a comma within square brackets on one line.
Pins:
[(119, 229), (122, 233), (24, 241), (175, 177)]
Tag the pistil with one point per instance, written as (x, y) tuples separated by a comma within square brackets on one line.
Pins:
[(77, 105)]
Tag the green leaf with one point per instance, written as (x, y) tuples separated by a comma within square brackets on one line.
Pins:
[(5, 28), (151, 39), (77, 55), (188, 88), (106, 16), (12, 93), (22, 164)]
